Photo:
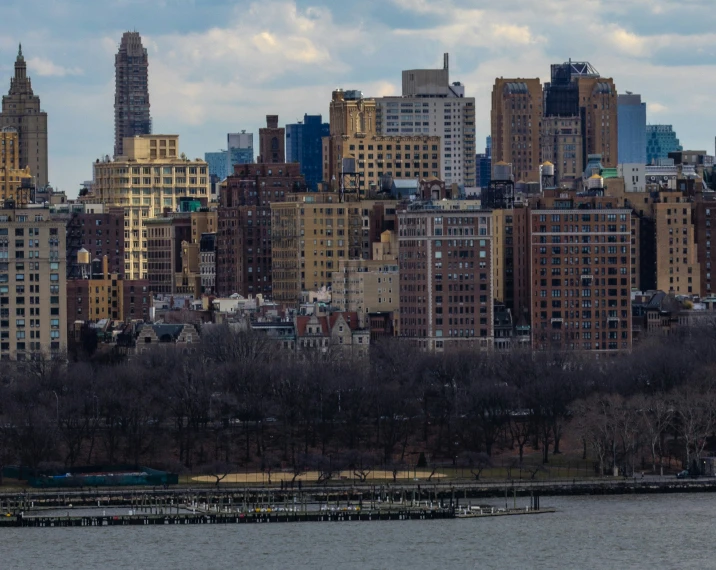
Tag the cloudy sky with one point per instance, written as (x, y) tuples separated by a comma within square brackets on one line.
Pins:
[(222, 65)]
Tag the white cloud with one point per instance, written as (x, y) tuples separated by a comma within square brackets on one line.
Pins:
[(45, 67)]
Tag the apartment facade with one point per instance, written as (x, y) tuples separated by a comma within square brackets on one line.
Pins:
[(151, 177), (173, 250), (446, 278), (580, 285), (365, 286), (510, 261), (33, 291), (97, 229), (102, 295), (677, 268), (244, 237), (562, 145), (310, 235)]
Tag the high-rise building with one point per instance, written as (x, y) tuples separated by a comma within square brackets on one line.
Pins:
[(244, 237), (310, 234), (304, 145), (131, 94), (218, 163), (446, 304), (21, 111), (587, 105), (660, 141), (359, 161), (580, 267), (515, 126), (677, 267), (33, 316), (431, 105), (631, 114), (240, 150), (149, 178)]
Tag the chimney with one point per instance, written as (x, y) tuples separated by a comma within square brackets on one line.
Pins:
[(446, 61)]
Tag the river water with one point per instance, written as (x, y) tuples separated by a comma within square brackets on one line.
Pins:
[(620, 532)]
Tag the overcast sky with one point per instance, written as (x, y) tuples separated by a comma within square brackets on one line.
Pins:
[(221, 65)]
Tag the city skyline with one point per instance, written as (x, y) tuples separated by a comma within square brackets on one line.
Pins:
[(292, 54)]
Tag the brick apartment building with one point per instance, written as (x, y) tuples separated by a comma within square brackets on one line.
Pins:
[(446, 279), (580, 266), (243, 241)]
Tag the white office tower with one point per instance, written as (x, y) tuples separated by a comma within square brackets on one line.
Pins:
[(430, 105)]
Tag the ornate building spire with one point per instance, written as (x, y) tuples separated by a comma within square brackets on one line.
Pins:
[(19, 53)]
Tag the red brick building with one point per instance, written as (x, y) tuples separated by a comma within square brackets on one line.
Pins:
[(99, 233), (446, 279), (580, 267), (243, 241)]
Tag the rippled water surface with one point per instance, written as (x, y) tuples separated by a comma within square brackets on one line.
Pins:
[(666, 531)]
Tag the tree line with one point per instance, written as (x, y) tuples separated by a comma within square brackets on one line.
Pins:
[(237, 403)]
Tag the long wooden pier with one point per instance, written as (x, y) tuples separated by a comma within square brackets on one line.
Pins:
[(40, 521)]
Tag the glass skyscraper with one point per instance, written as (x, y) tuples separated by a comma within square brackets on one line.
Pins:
[(660, 141), (304, 145), (631, 128), (218, 163), (240, 149)]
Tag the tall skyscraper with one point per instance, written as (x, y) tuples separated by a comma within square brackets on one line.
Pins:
[(660, 141), (218, 163), (131, 95), (431, 105), (303, 145), (580, 118), (240, 149), (21, 111), (515, 126), (632, 129)]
